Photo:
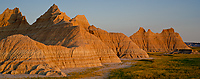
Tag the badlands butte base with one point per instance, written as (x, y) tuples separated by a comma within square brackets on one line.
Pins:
[(56, 41)]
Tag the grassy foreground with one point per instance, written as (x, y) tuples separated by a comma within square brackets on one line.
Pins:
[(182, 66)]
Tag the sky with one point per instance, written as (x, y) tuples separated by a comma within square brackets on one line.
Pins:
[(124, 16)]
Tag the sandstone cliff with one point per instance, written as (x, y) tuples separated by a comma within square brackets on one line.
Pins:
[(119, 43), (166, 41), (71, 34), (12, 22), (51, 17), (55, 42), (80, 20), (20, 54)]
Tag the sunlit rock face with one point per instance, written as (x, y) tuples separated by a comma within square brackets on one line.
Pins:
[(56, 41), (122, 45), (20, 54), (51, 43), (51, 17), (12, 22), (80, 20), (166, 41)]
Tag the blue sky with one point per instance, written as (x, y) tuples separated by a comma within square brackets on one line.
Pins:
[(124, 16)]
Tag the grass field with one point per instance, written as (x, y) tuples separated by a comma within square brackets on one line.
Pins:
[(182, 66)]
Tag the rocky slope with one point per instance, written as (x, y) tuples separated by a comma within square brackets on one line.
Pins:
[(119, 43), (166, 41), (55, 42), (51, 17), (12, 22), (20, 54)]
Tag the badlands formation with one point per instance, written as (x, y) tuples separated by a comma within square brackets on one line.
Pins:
[(166, 41), (55, 41)]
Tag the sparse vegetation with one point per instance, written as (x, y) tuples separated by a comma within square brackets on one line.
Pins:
[(182, 66), (87, 73), (196, 48)]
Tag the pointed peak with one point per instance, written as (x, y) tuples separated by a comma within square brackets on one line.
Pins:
[(53, 8), (7, 9), (171, 28), (15, 10), (92, 27), (54, 5), (149, 30), (80, 20), (80, 16), (141, 29)]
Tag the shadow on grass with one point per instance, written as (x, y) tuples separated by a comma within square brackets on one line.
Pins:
[(149, 60)]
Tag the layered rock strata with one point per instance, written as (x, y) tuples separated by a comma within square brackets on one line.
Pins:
[(51, 17), (119, 43), (166, 41), (20, 54), (12, 22), (55, 42)]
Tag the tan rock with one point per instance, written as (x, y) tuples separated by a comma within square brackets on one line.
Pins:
[(55, 41), (80, 20), (12, 22), (24, 55), (51, 17), (119, 43), (75, 36), (166, 41)]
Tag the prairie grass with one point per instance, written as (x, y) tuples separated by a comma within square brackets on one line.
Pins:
[(181, 66)]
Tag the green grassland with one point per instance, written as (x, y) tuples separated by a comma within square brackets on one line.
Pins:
[(182, 66)]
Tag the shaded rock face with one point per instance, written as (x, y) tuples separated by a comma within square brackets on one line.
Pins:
[(166, 41), (119, 43), (12, 22)]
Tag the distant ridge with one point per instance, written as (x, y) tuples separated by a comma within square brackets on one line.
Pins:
[(166, 41)]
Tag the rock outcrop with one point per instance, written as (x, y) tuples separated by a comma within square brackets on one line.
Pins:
[(12, 22), (51, 17), (71, 34), (119, 43), (55, 42), (166, 41), (20, 54), (80, 20)]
